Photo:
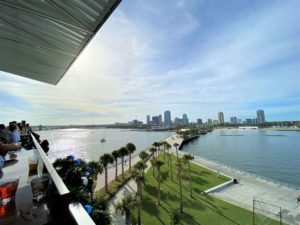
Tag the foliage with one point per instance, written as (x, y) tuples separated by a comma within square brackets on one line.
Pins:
[(113, 186), (130, 148), (101, 214), (144, 156), (125, 206), (174, 216)]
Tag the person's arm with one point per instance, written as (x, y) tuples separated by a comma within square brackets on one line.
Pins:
[(9, 147)]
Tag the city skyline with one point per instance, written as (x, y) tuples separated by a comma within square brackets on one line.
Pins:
[(145, 60)]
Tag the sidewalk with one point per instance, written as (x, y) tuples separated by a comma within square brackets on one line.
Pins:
[(250, 187)]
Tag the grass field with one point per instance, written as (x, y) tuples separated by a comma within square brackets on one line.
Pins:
[(202, 209)]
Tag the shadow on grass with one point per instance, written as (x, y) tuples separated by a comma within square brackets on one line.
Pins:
[(208, 204)]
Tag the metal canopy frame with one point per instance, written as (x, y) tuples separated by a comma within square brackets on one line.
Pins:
[(41, 39)]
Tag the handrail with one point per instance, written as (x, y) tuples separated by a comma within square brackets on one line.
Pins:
[(80, 215)]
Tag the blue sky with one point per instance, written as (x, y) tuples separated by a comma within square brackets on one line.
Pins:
[(189, 56)]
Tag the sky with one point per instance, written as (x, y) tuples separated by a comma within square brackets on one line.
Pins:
[(197, 57)]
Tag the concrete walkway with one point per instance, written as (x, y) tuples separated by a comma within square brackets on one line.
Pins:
[(251, 187)]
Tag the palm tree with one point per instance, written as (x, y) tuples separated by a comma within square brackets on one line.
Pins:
[(125, 206), (139, 178), (163, 143), (158, 164), (176, 147), (187, 158), (168, 147), (123, 152), (156, 145), (130, 148), (153, 150), (153, 160), (101, 214), (143, 155), (170, 156), (106, 159), (96, 167), (116, 155), (141, 166), (179, 168)]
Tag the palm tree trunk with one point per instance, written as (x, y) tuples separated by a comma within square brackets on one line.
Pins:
[(129, 162), (123, 167), (141, 192), (158, 186), (171, 168), (153, 171), (116, 169), (106, 178), (191, 194), (164, 154), (139, 204), (180, 191), (176, 152), (127, 218)]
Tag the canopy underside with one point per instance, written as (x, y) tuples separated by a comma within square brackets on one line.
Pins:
[(41, 39)]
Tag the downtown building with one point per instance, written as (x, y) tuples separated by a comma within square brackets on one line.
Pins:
[(167, 118), (220, 118), (260, 116)]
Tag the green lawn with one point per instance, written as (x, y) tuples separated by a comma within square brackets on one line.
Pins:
[(202, 209)]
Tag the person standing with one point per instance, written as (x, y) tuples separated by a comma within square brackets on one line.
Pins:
[(15, 136)]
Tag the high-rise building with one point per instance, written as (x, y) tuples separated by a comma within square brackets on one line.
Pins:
[(167, 118), (199, 121), (148, 119), (248, 121), (155, 120), (160, 119), (209, 121), (220, 118), (185, 119), (178, 121), (233, 120), (260, 116)]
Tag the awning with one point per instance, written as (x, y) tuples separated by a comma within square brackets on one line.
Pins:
[(40, 39)]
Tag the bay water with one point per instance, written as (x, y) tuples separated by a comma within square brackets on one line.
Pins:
[(270, 154)]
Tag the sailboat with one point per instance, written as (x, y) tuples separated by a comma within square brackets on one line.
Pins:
[(103, 139)]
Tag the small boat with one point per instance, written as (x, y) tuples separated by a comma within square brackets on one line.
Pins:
[(103, 140)]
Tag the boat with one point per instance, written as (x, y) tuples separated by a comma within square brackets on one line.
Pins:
[(103, 140)]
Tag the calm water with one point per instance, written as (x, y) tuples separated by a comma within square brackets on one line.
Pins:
[(85, 143), (271, 154)]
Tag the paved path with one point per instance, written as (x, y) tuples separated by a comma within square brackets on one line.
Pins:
[(250, 187)]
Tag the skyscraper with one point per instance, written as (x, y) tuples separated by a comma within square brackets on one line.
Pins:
[(167, 118), (209, 121), (260, 116), (199, 121), (160, 119), (148, 119), (233, 120), (185, 119), (155, 120), (220, 118)]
